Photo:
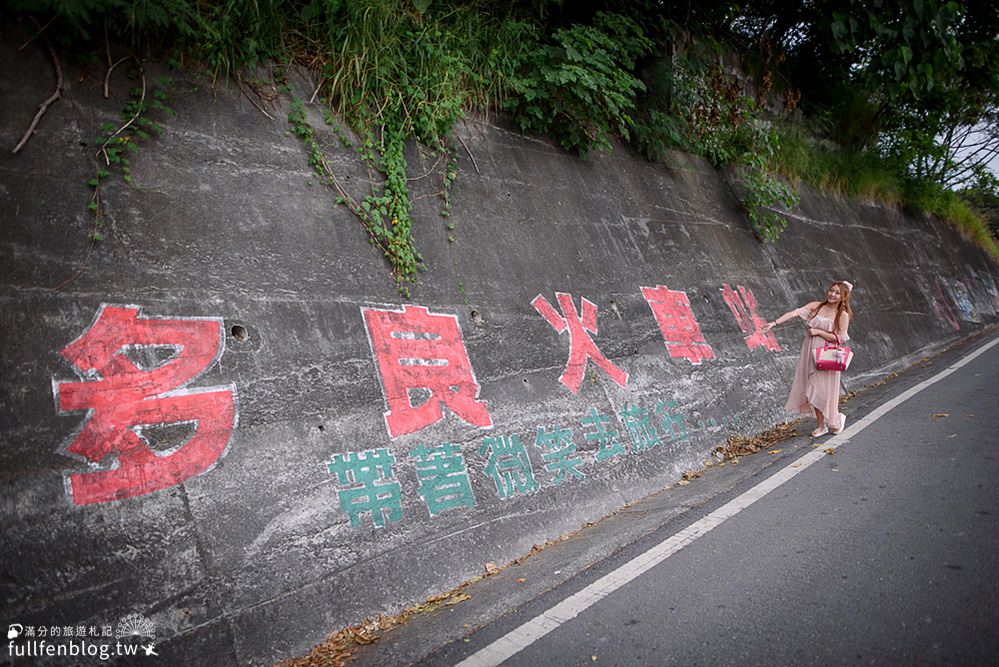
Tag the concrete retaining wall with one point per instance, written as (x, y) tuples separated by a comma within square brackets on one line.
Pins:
[(171, 415)]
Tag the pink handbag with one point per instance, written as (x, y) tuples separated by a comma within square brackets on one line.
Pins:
[(833, 357)]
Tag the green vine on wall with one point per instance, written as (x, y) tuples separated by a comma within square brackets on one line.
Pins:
[(117, 143), (386, 211), (765, 191)]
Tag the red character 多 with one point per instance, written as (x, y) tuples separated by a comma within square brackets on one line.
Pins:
[(743, 306), (581, 346), (417, 350), (680, 330), (121, 397)]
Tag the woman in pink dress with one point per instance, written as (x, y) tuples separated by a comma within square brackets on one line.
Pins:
[(813, 390)]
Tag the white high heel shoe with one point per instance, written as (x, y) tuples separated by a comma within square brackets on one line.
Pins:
[(842, 424)]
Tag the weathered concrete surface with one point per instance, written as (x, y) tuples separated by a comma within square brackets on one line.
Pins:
[(254, 559)]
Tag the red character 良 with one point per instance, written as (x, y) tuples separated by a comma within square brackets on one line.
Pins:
[(121, 398), (416, 350)]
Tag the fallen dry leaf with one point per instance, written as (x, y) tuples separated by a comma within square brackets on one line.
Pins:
[(460, 597), (775, 451), (521, 580), (940, 415), (738, 445), (491, 568), (683, 482), (830, 450)]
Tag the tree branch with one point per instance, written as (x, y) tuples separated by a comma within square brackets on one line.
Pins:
[(56, 94)]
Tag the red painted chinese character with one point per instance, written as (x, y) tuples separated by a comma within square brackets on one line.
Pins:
[(416, 350), (743, 306), (676, 321), (121, 398), (581, 346)]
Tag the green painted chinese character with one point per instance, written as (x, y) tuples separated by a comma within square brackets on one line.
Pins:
[(559, 455), (443, 477), (673, 422), (609, 446), (640, 428), (372, 470), (508, 465)]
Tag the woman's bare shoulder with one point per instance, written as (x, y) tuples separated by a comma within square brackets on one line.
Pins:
[(812, 305)]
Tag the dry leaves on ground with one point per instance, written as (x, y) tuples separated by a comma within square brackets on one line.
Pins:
[(738, 445)]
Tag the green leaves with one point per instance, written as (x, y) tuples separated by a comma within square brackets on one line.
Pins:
[(118, 142), (900, 48), (386, 211), (579, 89)]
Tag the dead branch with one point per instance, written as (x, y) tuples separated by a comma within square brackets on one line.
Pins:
[(315, 93), (111, 66), (79, 271), (40, 31), (93, 242), (56, 94), (474, 163), (239, 82), (107, 74)]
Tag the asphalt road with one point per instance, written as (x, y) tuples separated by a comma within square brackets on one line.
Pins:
[(885, 552)]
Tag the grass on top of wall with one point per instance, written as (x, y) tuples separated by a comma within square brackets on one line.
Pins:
[(867, 177)]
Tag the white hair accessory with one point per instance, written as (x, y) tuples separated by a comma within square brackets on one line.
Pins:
[(849, 285)]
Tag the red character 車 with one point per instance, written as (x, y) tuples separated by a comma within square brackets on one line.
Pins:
[(680, 330)]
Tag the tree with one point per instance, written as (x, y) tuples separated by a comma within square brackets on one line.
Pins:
[(917, 80)]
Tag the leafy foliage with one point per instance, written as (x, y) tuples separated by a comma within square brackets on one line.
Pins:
[(764, 190), (394, 76), (117, 143), (579, 89)]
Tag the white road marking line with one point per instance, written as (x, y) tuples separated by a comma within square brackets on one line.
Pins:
[(520, 638)]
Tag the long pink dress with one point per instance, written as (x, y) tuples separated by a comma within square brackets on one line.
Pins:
[(814, 389)]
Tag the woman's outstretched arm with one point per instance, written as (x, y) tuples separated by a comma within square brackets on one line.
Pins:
[(790, 315)]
